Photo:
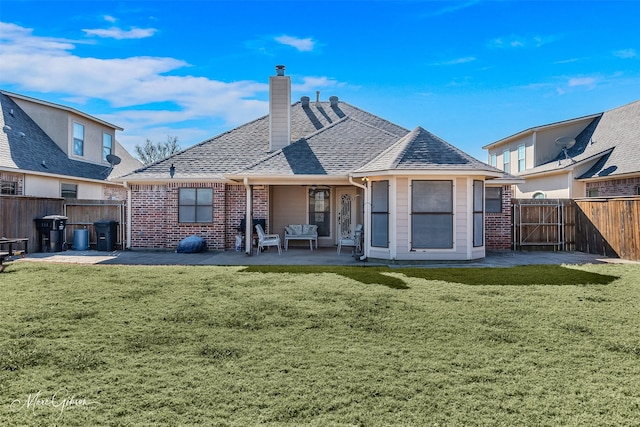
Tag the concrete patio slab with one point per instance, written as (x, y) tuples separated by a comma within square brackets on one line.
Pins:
[(299, 256)]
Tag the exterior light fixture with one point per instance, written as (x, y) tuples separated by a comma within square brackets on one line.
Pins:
[(172, 170)]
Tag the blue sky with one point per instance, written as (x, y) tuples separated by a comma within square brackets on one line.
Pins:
[(471, 72)]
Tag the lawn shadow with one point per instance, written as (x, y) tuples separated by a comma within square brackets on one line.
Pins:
[(553, 275)]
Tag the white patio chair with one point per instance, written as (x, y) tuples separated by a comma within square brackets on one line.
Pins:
[(267, 240), (352, 241)]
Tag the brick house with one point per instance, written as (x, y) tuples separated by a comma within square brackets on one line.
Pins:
[(325, 163)]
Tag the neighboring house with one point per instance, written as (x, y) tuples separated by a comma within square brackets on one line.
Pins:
[(324, 163), (49, 150), (595, 155)]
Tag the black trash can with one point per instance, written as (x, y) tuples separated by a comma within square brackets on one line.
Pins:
[(51, 232), (106, 234)]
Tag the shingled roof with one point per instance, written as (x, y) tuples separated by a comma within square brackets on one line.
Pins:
[(421, 150), (612, 138), (328, 139), (26, 147)]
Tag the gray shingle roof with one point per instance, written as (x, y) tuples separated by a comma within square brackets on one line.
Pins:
[(28, 152), (613, 137), (422, 150), (247, 146), (336, 149)]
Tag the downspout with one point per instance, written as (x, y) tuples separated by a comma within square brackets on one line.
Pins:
[(126, 185), (367, 215), (248, 233)]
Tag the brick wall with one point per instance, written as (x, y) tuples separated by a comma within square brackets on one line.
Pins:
[(498, 226), (113, 192), (148, 216), (615, 187), (155, 215)]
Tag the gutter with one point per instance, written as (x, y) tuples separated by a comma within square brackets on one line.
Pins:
[(129, 227)]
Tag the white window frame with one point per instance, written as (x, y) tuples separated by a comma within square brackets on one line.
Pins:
[(493, 160), (104, 145), (81, 140), (506, 161), (522, 156), (451, 248)]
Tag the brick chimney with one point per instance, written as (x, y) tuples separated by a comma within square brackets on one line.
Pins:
[(279, 110)]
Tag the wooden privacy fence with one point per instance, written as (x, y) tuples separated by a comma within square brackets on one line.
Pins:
[(609, 227), (543, 224), (17, 215)]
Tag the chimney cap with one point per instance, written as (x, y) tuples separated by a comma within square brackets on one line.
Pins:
[(279, 70)]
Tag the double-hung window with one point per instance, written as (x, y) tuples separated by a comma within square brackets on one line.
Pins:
[(506, 167), (78, 139), (107, 145), (521, 158), (493, 160), (195, 205), (493, 199), (380, 214), (431, 214), (69, 191), (478, 214)]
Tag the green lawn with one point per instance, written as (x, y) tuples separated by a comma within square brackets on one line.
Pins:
[(179, 346)]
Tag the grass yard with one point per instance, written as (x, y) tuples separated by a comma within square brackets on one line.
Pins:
[(182, 346)]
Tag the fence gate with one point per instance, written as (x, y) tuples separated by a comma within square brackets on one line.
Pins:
[(545, 224)]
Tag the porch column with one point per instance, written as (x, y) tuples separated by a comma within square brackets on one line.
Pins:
[(248, 229)]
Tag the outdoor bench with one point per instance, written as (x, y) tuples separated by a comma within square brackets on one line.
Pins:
[(301, 232)]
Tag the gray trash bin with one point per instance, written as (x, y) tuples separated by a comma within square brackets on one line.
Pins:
[(106, 234)]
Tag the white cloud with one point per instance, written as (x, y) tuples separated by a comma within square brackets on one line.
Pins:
[(626, 53), (303, 45), (109, 18), (144, 97), (120, 34), (516, 41), (582, 81), (457, 61)]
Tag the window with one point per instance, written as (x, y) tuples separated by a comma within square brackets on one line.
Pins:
[(521, 163), (195, 205), (107, 145), (538, 195), (493, 160), (78, 139), (320, 210), (493, 199), (505, 161), (592, 193), (8, 187), (432, 214), (478, 215), (69, 191), (380, 214)]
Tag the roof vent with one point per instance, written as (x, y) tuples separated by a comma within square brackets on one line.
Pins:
[(317, 97), (305, 101), (334, 101), (279, 70)]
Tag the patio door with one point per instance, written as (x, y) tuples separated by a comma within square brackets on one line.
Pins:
[(347, 213)]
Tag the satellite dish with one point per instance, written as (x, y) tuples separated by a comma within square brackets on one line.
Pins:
[(113, 159), (565, 142)]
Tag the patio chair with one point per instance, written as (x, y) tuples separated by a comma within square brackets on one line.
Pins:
[(267, 240), (352, 241)]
